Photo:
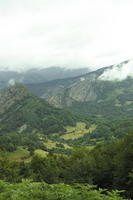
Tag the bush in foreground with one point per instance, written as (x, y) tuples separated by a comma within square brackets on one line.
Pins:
[(41, 191)]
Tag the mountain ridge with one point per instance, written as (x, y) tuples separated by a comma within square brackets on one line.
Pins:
[(18, 106), (91, 95), (37, 75), (78, 89)]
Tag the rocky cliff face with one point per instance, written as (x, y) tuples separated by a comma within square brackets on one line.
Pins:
[(12, 96), (95, 86)]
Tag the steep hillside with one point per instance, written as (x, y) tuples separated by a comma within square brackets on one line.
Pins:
[(107, 92), (20, 108), (26, 120)]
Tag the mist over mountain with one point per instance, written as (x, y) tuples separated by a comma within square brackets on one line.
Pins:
[(36, 75), (103, 91), (118, 72)]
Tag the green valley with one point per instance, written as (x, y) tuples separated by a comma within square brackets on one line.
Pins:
[(79, 148), (66, 100)]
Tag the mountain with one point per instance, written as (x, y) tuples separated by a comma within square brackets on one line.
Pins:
[(107, 91), (30, 128), (37, 75), (52, 73), (26, 120), (29, 123), (20, 108)]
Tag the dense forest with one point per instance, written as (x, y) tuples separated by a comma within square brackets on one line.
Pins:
[(80, 157), (109, 166)]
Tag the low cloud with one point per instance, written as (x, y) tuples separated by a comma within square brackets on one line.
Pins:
[(118, 72), (11, 82), (43, 33)]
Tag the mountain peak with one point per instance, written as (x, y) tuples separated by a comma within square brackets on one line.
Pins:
[(13, 94), (18, 90)]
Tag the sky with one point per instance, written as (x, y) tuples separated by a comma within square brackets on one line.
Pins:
[(65, 33)]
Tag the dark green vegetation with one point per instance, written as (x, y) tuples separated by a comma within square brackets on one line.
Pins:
[(40, 191), (101, 133), (25, 119), (109, 166), (104, 132), (21, 110), (109, 130), (29, 123)]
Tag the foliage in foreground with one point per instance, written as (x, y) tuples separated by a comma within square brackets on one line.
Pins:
[(40, 191), (109, 166)]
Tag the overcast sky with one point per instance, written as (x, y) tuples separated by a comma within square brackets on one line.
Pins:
[(68, 33)]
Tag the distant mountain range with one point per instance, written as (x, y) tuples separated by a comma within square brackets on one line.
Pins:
[(35, 75), (106, 91)]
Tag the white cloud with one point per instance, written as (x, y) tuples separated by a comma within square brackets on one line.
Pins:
[(118, 72), (72, 33), (11, 82)]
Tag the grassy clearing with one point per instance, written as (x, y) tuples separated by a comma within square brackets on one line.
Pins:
[(78, 131), (41, 153), (66, 146), (52, 144), (118, 105), (18, 155), (90, 147), (128, 102)]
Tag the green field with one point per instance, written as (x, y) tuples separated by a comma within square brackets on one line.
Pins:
[(78, 131), (20, 154)]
